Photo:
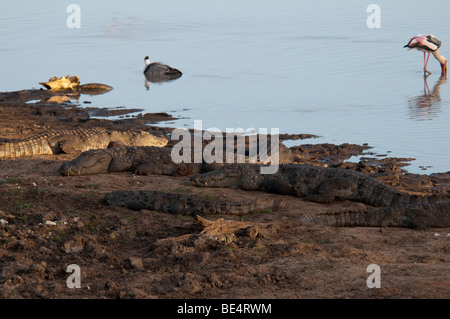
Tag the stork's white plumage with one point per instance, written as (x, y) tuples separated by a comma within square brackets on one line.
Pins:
[(428, 44)]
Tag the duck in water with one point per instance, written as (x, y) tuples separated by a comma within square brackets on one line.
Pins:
[(158, 72)]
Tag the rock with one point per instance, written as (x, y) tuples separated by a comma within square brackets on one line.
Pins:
[(44, 250), (192, 284), (39, 270), (111, 285), (134, 262), (75, 246), (41, 292)]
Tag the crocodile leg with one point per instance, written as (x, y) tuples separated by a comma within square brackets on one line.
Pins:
[(69, 145), (332, 189)]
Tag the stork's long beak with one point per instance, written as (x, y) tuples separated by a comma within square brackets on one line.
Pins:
[(444, 68)]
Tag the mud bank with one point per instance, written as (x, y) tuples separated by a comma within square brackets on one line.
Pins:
[(50, 221)]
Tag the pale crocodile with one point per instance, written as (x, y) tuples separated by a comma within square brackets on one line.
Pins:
[(72, 83), (76, 141)]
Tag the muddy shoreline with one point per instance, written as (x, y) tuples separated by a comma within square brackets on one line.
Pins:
[(52, 221)]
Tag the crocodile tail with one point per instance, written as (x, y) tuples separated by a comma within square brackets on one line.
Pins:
[(7, 150), (24, 148), (241, 207), (362, 218), (415, 215), (17, 149), (430, 199), (3, 152), (337, 219)]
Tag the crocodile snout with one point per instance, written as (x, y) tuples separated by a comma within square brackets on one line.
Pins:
[(90, 162), (198, 180), (66, 170)]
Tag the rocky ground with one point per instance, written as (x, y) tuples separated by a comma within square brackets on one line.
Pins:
[(50, 222)]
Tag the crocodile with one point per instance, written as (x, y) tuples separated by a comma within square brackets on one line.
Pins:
[(184, 204), (72, 83), (418, 216), (76, 141), (93, 88), (144, 161), (314, 183), (141, 160)]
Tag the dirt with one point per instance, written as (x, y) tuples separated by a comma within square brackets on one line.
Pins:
[(52, 221)]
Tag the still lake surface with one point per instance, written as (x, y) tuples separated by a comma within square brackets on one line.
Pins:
[(300, 66)]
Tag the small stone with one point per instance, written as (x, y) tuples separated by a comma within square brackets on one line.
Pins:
[(44, 250), (134, 262), (111, 285), (76, 245)]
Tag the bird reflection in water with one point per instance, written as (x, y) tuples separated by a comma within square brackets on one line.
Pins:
[(151, 78), (428, 105)]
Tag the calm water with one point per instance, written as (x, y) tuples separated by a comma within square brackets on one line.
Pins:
[(300, 66)]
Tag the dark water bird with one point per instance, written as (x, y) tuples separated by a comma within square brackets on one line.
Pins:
[(158, 72), (428, 44)]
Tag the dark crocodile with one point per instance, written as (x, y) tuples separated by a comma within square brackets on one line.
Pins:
[(184, 204), (419, 216), (94, 88), (76, 141), (140, 160), (315, 183), (144, 161)]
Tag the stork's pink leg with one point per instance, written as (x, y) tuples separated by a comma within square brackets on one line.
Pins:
[(426, 88), (426, 63)]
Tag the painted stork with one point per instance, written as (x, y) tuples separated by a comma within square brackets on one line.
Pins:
[(428, 43)]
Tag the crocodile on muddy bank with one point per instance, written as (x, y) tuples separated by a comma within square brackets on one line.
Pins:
[(72, 83), (183, 204), (76, 141), (145, 161), (314, 183), (418, 216), (324, 185)]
